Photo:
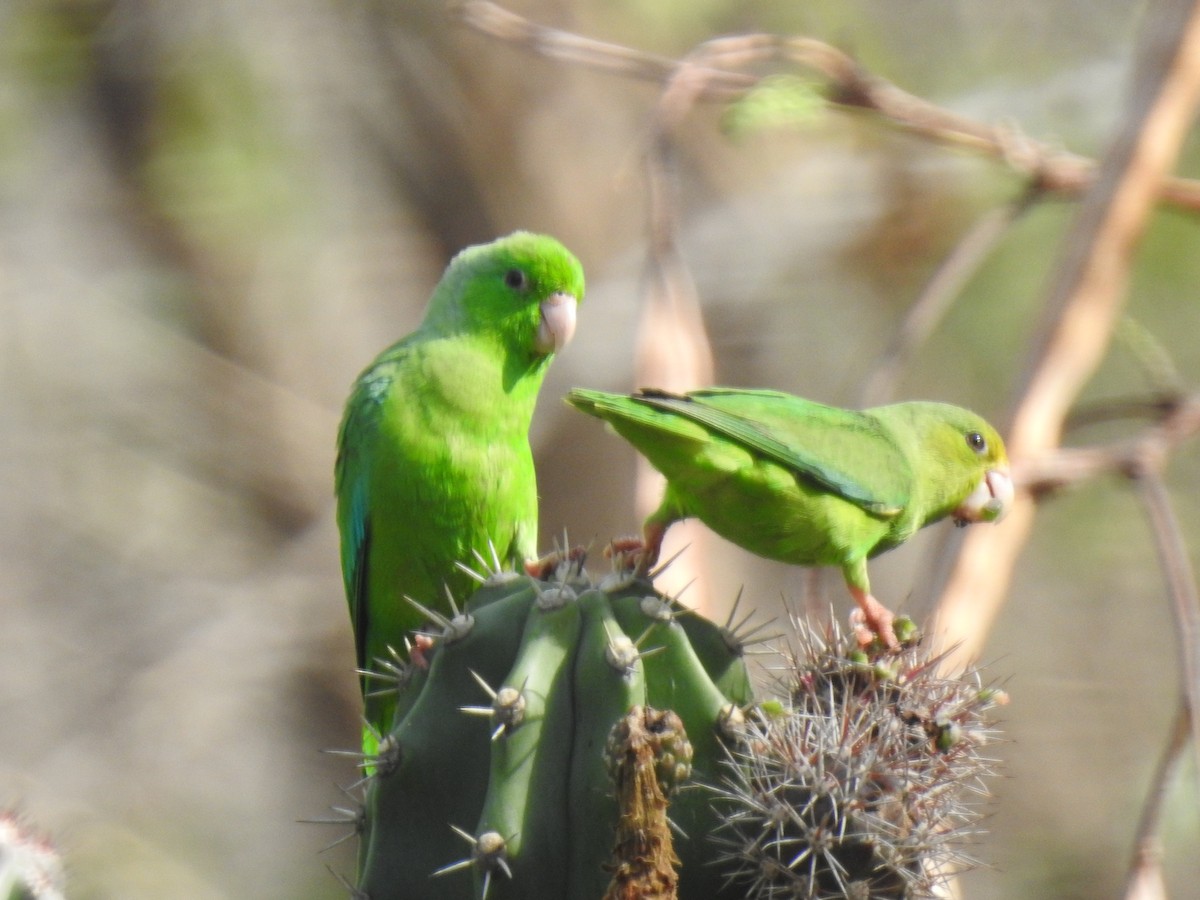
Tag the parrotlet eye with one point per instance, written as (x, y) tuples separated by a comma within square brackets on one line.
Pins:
[(516, 279), (976, 442)]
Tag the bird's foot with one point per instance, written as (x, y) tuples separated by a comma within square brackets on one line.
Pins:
[(418, 651), (638, 555), (872, 620), (629, 554), (546, 567)]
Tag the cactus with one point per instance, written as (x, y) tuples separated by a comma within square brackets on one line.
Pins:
[(522, 805), (30, 868), (859, 782), (557, 726)]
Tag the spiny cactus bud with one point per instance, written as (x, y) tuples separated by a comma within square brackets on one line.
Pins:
[(861, 780)]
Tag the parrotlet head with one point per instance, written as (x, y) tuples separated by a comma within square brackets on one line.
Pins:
[(522, 289)]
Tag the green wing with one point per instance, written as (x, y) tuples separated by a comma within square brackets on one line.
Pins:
[(352, 485), (845, 451)]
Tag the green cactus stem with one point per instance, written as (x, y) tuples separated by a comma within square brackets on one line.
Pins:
[(857, 774), (493, 782)]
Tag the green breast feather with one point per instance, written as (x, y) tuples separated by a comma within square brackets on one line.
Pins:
[(434, 465)]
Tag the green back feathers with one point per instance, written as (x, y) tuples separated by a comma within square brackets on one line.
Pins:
[(875, 459), (838, 449)]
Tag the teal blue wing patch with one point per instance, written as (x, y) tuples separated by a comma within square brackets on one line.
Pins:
[(842, 450), (352, 485)]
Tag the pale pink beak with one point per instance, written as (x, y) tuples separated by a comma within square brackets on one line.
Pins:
[(557, 326), (990, 500)]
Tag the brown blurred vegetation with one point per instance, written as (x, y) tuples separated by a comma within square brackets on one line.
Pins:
[(213, 214)]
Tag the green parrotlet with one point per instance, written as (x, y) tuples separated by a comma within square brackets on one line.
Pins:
[(814, 485), (434, 466)]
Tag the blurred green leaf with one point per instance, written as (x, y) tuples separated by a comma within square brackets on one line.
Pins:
[(778, 101)]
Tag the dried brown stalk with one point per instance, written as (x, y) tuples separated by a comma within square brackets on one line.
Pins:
[(644, 858)]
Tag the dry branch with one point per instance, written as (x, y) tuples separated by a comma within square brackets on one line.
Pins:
[(1084, 304), (848, 84), (1145, 879), (1066, 466)]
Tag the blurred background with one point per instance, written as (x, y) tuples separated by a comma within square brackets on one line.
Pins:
[(213, 215)]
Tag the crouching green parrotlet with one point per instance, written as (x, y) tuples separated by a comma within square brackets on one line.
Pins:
[(814, 485), (434, 467)]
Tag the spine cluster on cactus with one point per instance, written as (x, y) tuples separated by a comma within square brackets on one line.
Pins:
[(597, 740), (861, 780)]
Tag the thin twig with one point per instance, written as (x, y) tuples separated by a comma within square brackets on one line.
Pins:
[(849, 85), (498, 22), (1145, 864), (1181, 583), (1068, 466), (939, 293)]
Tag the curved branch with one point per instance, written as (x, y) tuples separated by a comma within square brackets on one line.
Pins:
[(1067, 466), (849, 85)]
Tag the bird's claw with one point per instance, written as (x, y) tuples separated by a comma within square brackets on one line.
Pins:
[(629, 554), (873, 621), (546, 567), (419, 649)]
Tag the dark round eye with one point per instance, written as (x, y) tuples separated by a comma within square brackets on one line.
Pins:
[(516, 279), (976, 441)]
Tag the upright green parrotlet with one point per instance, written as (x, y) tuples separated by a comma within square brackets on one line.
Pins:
[(809, 484), (434, 466)]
